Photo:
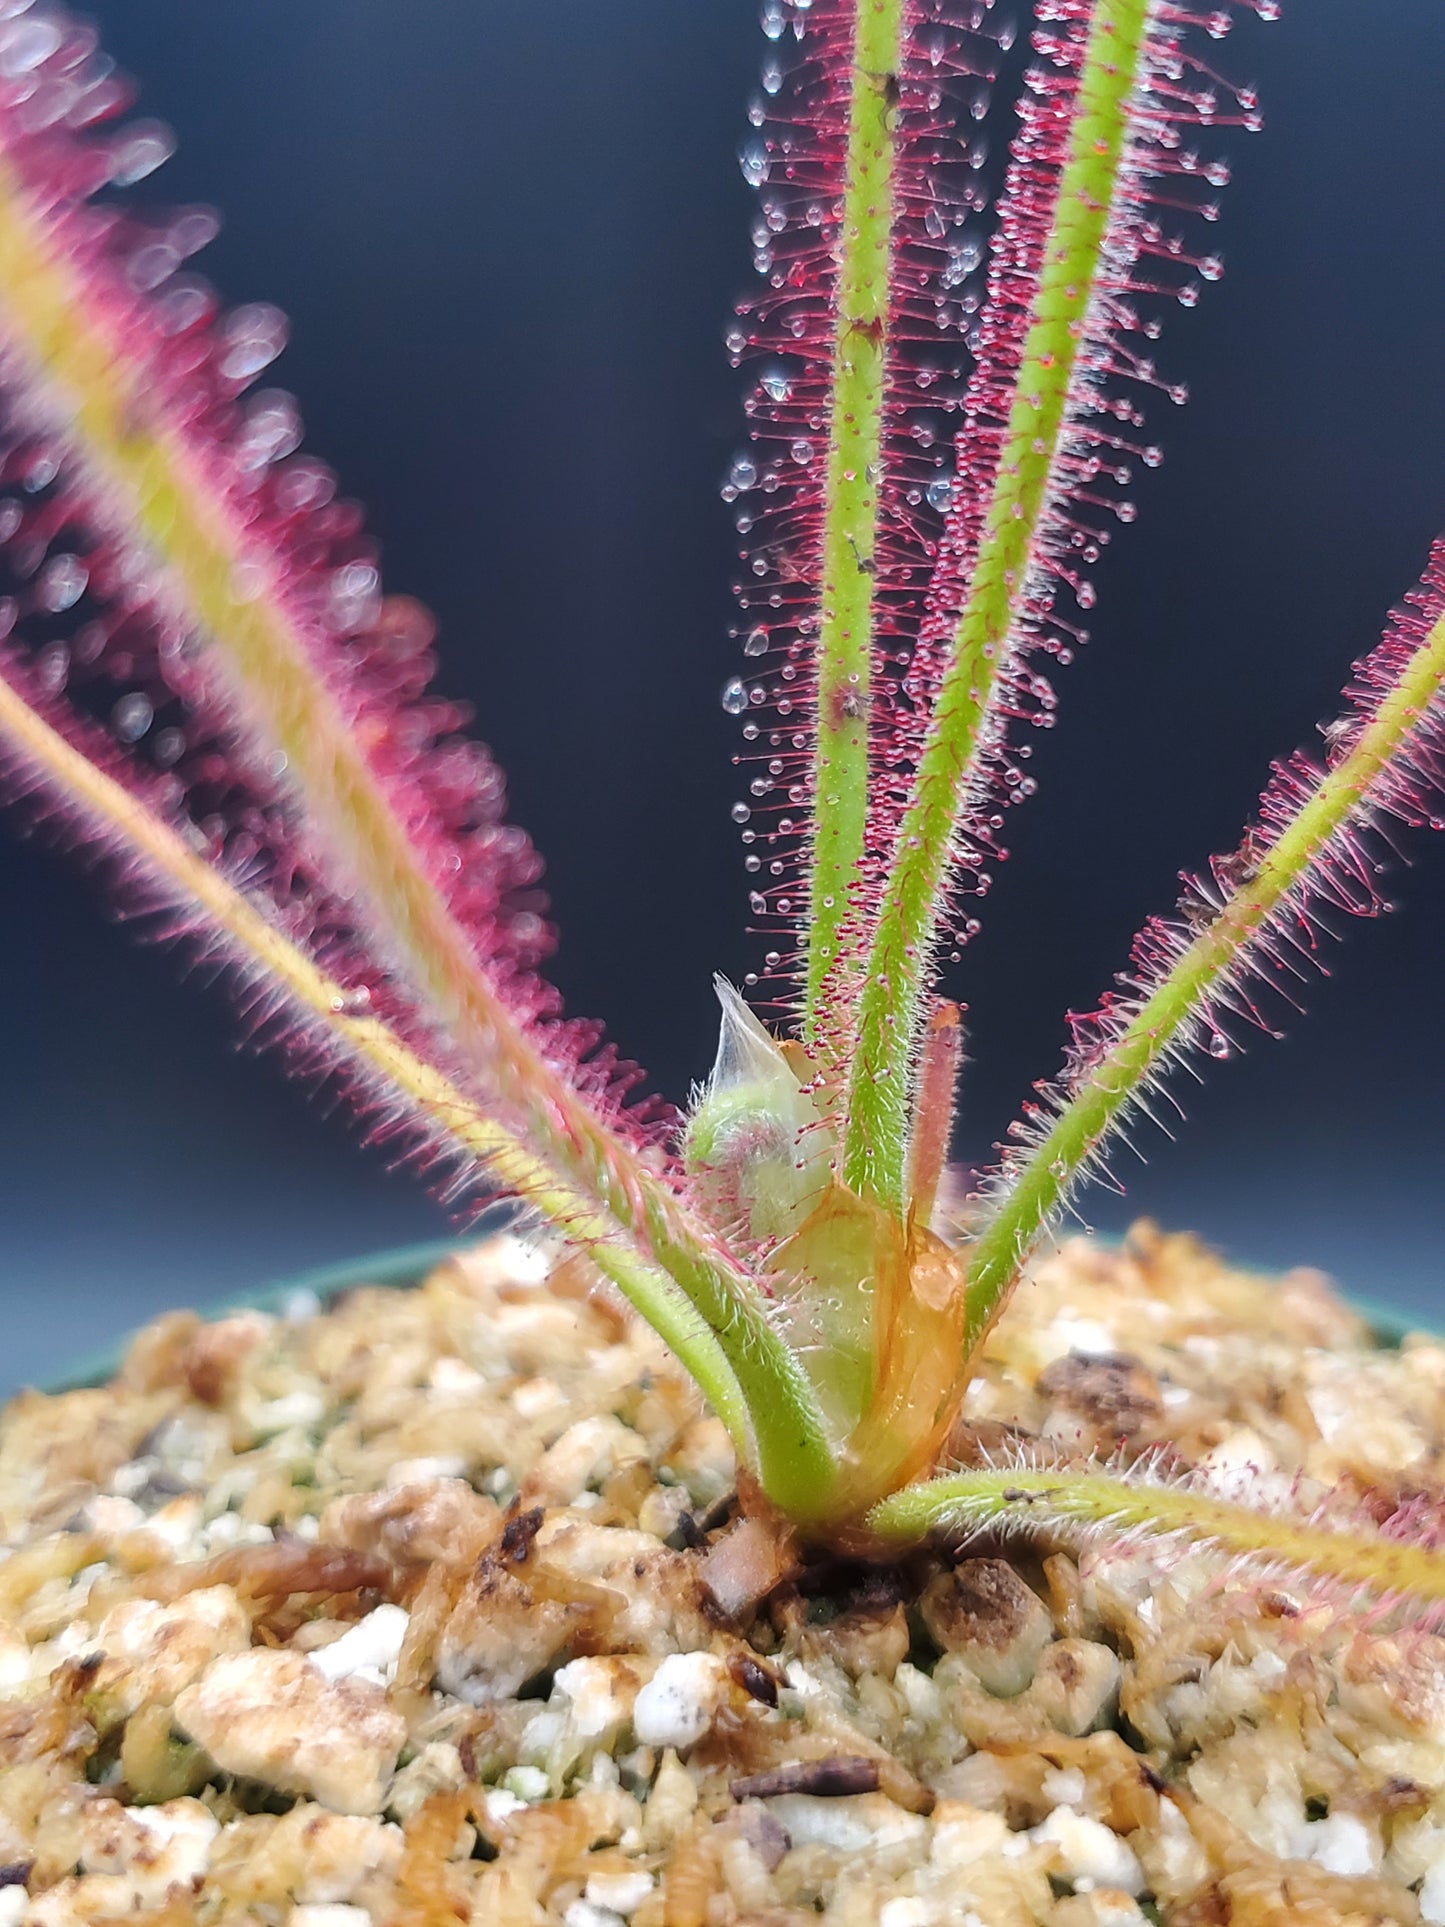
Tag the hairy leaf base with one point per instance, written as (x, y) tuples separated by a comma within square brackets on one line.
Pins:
[(1092, 1506)]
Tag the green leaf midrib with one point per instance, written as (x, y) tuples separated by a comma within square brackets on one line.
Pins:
[(891, 1005), (851, 499)]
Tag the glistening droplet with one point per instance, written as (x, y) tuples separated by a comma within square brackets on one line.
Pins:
[(132, 717), (61, 583), (753, 160)]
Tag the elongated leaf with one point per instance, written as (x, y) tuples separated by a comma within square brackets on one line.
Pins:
[(1246, 930), (327, 1033), (185, 579), (867, 240), (1337, 1553), (1110, 112), (203, 590)]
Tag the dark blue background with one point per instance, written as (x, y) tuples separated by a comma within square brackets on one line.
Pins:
[(509, 237)]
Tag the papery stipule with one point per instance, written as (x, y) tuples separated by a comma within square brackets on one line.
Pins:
[(933, 1110)]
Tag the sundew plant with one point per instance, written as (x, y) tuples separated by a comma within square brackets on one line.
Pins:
[(953, 400)]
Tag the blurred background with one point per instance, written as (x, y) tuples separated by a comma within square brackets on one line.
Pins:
[(509, 239)]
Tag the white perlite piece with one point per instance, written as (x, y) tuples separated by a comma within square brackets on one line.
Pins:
[(677, 1705), (332, 1916), (1340, 1843), (1066, 1787), (1089, 1851), (863, 1823), (583, 1914), (13, 1902), (599, 1693), (1432, 1895), (510, 1259), (368, 1650), (273, 1716), (618, 1893), (526, 1784), (963, 1834), (1089, 1337), (907, 1911)]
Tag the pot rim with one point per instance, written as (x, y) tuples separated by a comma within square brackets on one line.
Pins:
[(407, 1265), (396, 1268)]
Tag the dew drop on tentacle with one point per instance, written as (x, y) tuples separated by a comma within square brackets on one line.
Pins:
[(270, 429), (1146, 264), (795, 154), (186, 303), (41, 467), (753, 161), (353, 598), (136, 661), (26, 42), (354, 1002), (136, 153), (150, 265), (742, 474), (52, 668), (251, 339), (132, 717), (60, 584)]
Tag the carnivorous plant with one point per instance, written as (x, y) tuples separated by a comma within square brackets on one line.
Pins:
[(202, 678)]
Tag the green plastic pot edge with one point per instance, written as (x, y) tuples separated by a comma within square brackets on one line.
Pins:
[(390, 1268), (1389, 1326), (398, 1269)]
